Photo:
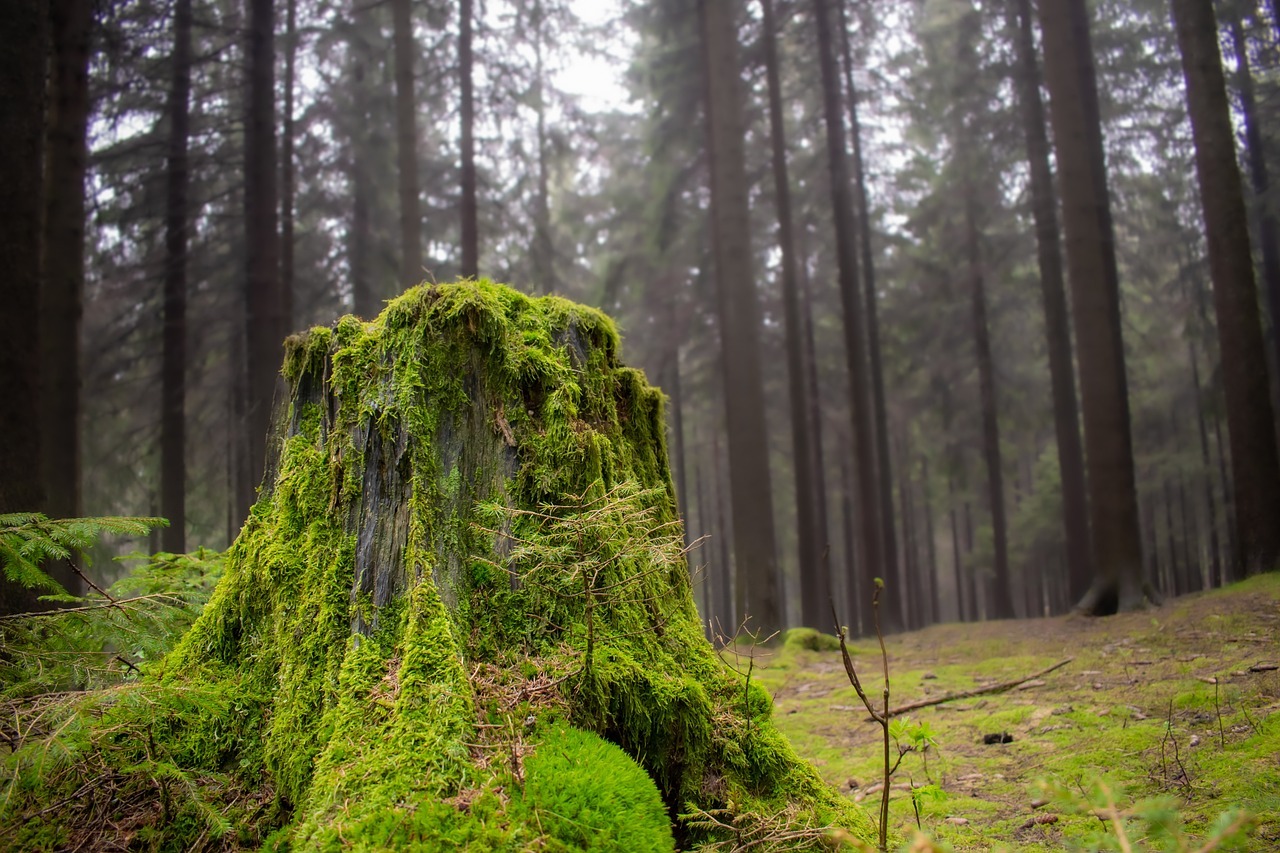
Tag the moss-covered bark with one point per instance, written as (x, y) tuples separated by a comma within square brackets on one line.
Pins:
[(391, 640)]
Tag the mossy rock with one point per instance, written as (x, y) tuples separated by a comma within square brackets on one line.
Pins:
[(392, 633), (810, 639)]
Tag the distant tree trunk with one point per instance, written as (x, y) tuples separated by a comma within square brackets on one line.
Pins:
[(470, 228), (931, 548), (871, 297), (1174, 567), (1151, 542), (1250, 421), (544, 262), (999, 593), (676, 428), (264, 331), (1194, 577), (956, 556), (977, 605), (407, 145), (66, 159), (725, 584), (24, 31), (815, 582), (814, 419), (1215, 549), (365, 303), (173, 394), (754, 546), (1095, 292), (912, 594), (858, 582), (1255, 149), (870, 541), (1044, 208), (286, 167)]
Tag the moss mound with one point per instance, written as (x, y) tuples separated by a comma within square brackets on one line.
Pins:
[(467, 531)]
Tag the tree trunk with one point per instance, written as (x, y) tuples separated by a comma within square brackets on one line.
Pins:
[(1044, 208), (871, 298), (1250, 421), (1095, 293), (545, 279), (286, 167), (173, 394), (870, 539), (754, 547), (411, 271), (956, 556), (66, 159), (1255, 148), (813, 420), (470, 228), (1206, 467), (264, 331), (999, 592), (815, 581), (24, 31), (931, 547)]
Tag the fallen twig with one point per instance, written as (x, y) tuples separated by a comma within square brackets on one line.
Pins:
[(979, 691)]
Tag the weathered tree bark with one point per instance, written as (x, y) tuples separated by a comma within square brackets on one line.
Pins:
[(1095, 294), (754, 544), (1044, 209), (1250, 422), (173, 372), (24, 29), (287, 189), (884, 461), (467, 116), (870, 531), (264, 329), (815, 581), (407, 145), (66, 159)]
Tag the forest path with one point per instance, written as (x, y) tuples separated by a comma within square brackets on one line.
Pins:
[(1138, 707)]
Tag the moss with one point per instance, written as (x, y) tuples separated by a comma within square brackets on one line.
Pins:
[(376, 643)]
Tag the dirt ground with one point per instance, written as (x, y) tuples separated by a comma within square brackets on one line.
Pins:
[(1177, 702)]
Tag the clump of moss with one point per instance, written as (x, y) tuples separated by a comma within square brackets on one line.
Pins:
[(385, 636)]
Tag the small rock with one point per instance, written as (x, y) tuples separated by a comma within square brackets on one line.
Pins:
[(851, 783), (927, 676), (1097, 685), (957, 821), (997, 737), (1195, 740), (1039, 803)]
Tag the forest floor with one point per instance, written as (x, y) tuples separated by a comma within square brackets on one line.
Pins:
[(1137, 708)]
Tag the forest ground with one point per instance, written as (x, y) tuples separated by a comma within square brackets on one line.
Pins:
[(1138, 684)]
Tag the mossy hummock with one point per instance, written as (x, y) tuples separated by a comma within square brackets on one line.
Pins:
[(388, 661)]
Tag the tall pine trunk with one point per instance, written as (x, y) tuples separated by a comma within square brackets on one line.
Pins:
[(870, 544), (884, 461), (815, 581), (407, 145), (24, 30), (470, 228), (287, 189), (264, 329), (173, 393), (545, 279), (754, 545), (1255, 150), (66, 160), (1044, 208), (1250, 423), (1095, 296)]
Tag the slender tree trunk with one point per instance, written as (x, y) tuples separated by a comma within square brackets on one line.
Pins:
[(956, 556), (359, 237), (858, 584), (1044, 208), (676, 392), (24, 29), (754, 547), (871, 298), (1250, 421), (470, 228), (1206, 466), (725, 584), (815, 583), (913, 596), (407, 144), (977, 605), (871, 540), (173, 393), (1194, 577), (999, 593), (544, 265), (1255, 149), (1174, 567), (821, 530), (1095, 292), (264, 330), (66, 159), (287, 166), (931, 547), (1151, 543)]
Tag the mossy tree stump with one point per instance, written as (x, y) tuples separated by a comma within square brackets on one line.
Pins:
[(380, 655)]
